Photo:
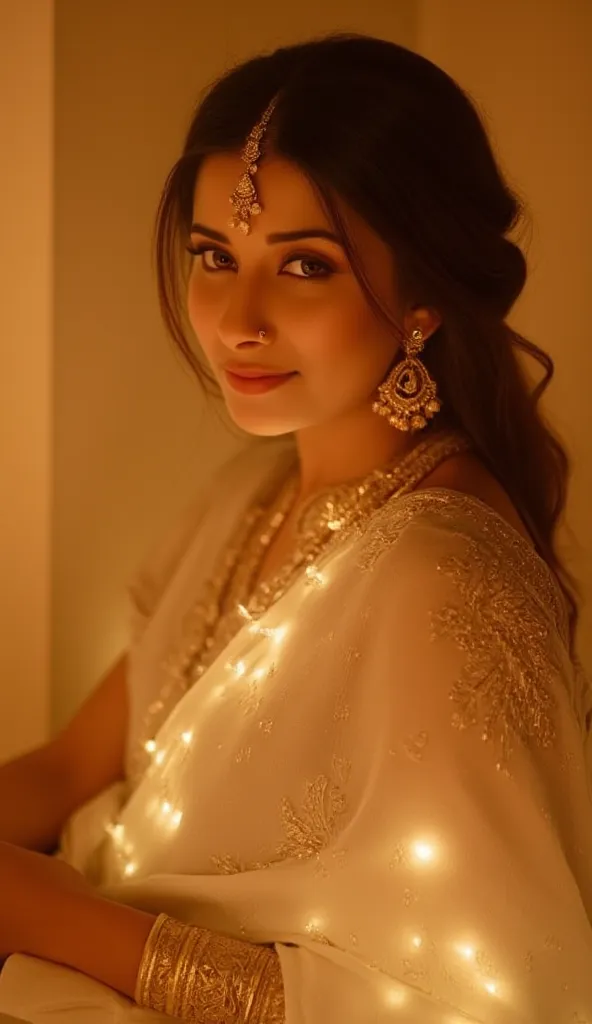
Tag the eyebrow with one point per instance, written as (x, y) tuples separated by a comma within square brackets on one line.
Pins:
[(276, 236)]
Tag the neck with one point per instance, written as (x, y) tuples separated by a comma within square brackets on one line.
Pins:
[(347, 449)]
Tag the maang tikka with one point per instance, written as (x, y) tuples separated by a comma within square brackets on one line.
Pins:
[(244, 199), (408, 395)]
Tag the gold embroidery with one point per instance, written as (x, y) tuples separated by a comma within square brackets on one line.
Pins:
[(307, 832), (415, 746), (314, 930), (510, 658), (311, 830), (505, 621), (227, 865), (445, 509)]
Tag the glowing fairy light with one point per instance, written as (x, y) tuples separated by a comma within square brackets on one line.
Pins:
[(314, 576), (130, 869), (176, 819), (159, 757), (166, 807), (259, 674), (116, 831), (394, 997), (187, 737), (239, 668), (279, 634), (150, 746), (315, 926), (417, 941), (244, 613), (467, 952), (491, 987), (423, 852)]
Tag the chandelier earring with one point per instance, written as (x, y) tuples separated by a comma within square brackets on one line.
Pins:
[(408, 395)]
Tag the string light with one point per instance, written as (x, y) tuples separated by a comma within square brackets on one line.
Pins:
[(187, 737), (159, 757), (130, 869), (150, 746), (417, 941), (424, 852), (116, 831), (395, 997), (491, 987), (315, 576), (467, 952)]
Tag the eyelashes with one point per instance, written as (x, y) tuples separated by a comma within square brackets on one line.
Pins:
[(326, 270)]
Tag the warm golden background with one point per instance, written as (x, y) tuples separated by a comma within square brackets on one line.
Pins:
[(104, 437)]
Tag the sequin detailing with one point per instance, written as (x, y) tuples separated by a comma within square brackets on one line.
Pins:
[(195, 975)]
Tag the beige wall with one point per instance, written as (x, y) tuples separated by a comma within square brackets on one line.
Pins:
[(132, 437), (26, 116), (529, 64)]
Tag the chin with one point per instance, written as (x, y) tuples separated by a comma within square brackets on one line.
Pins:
[(262, 426)]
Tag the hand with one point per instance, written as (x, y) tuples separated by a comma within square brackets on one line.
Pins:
[(35, 891)]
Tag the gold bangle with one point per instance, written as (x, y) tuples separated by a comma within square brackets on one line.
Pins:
[(196, 975), (158, 961)]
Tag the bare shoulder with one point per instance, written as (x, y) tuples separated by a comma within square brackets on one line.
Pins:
[(468, 475)]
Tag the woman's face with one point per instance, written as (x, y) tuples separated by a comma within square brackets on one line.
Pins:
[(323, 341)]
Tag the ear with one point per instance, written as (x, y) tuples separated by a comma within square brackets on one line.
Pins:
[(428, 320)]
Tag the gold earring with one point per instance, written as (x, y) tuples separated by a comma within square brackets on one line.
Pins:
[(408, 395)]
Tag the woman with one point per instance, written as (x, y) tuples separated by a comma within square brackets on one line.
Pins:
[(355, 782)]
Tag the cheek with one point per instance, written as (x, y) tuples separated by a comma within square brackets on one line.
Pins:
[(348, 346)]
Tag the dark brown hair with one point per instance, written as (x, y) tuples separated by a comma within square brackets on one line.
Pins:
[(383, 129)]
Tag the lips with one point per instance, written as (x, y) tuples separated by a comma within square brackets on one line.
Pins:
[(254, 380), (255, 372)]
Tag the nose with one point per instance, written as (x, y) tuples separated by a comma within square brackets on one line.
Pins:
[(240, 326)]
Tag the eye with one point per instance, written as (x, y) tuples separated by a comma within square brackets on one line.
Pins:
[(307, 262), (201, 250)]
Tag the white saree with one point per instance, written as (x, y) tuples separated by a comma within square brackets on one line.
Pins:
[(385, 778)]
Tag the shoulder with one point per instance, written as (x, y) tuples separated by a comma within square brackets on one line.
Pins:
[(449, 579), (438, 541), (466, 474)]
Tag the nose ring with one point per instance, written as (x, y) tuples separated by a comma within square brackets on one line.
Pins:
[(262, 333)]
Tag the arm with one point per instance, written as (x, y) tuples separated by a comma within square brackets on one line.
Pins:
[(177, 969), (40, 790), (166, 966)]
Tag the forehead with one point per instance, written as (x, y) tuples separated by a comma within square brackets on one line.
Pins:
[(286, 196)]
